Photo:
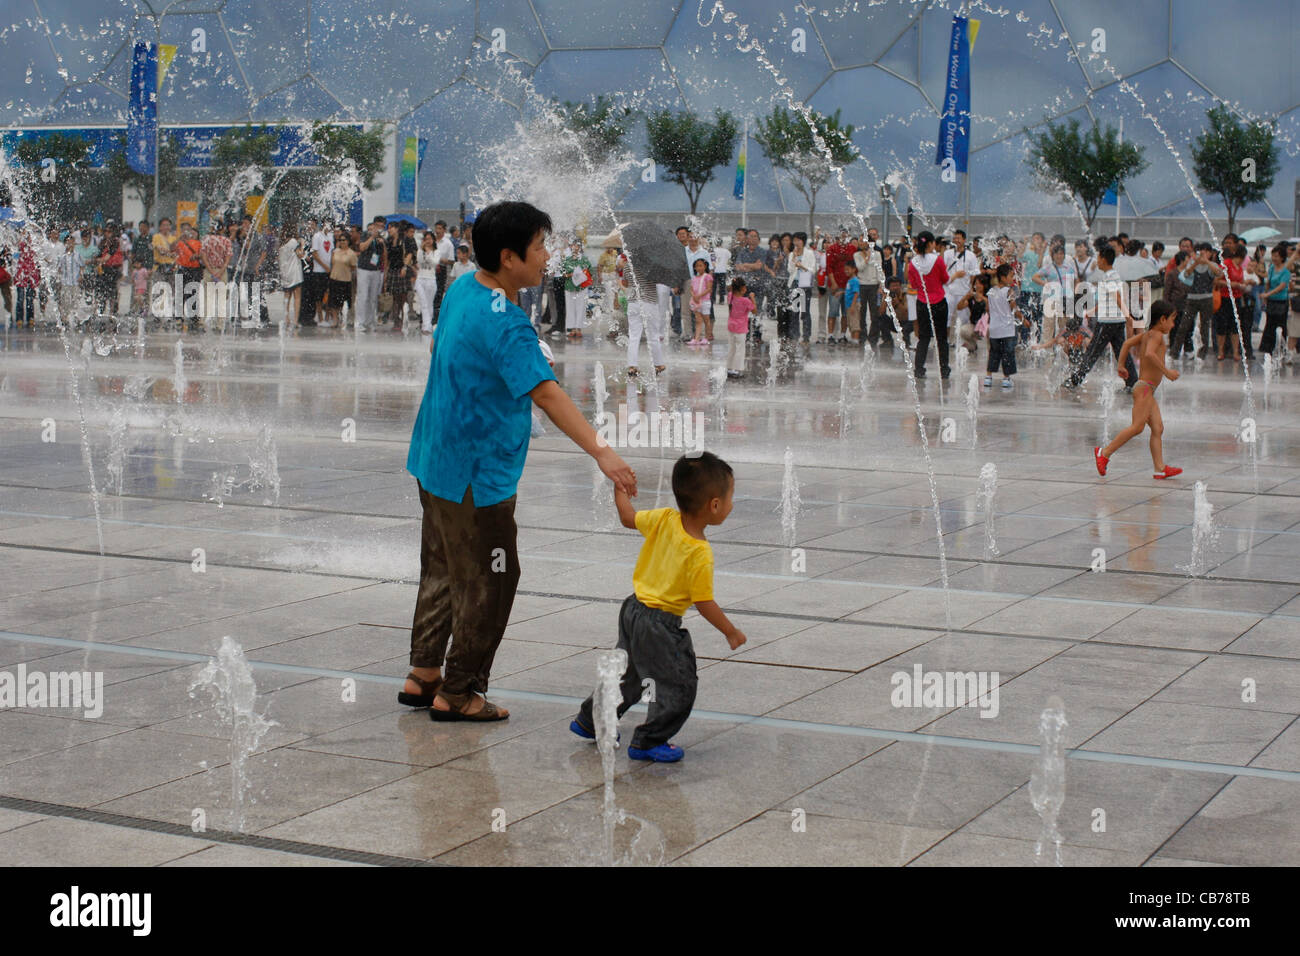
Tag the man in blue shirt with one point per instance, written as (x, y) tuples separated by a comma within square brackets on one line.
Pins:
[(467, 453)]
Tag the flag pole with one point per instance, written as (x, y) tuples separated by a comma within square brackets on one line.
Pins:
[(744, 183), (1118, 186)]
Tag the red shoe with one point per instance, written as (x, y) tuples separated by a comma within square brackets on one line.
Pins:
[(1102, 461), (1169, 472)]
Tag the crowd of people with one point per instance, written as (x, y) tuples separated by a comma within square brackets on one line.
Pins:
[(379, 276), (1036, 293), (828, 291)]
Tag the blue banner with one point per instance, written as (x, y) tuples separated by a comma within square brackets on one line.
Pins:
[(142, 109), (196, 143), (419, 163), (954, 126), (739, 190), (1111, 197)]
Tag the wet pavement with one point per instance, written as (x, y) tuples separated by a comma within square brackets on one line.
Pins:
[(267, 499)]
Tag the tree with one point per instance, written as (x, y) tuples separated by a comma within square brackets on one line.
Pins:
[(339, 146), (600, 124), (52, 196), (169, 179), (690, 149), (1235, 161), (242, 159), (1082, 166), (788, 142)]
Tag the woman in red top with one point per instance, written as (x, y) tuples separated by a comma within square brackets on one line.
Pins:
[(928, 275), (27, 278)]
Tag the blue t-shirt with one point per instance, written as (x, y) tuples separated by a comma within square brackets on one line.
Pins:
[(851, 290), (1275, 276), (475, 419)]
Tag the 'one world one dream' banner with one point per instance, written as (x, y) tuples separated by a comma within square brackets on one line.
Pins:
[(954, 126)]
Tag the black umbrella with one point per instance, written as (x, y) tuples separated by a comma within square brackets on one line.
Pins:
[(656, 256)]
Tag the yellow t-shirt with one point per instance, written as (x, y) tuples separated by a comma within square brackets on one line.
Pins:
[(162, 253), (673, 570)]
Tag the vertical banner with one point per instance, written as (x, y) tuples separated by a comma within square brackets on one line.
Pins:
[(410, 159), (954, 126), (739, 190), (187, 214), (142, 109), (419, 162)]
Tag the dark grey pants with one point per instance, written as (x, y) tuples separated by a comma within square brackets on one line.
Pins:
[(658, 649)]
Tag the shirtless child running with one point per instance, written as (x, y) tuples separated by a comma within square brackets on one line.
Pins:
[(1146, 412)]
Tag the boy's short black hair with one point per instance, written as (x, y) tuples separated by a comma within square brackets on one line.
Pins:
[(1004, 270), (1107, 255), (507, 225), (1160, 310), (697, 480)]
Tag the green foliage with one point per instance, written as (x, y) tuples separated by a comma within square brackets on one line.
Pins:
[(55, 200), (788, 142), (688, 149), (601, 125), (1219, 160), (1082, 166), (336, 145)]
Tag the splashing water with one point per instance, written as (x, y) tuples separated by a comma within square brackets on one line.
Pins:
[(1204, 534), (1106, 399), (961, 359), (988, 488), (972, 403), (600, 391), (602, 498), (116, 466), (264, 467), (1047, 783), (229, 679), (773, 357), (718, 385), (844, 400), (789, 500), (610, 666), (179, 382)]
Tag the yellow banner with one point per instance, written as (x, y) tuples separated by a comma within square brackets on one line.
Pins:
[(166, 53), (255, 206), (973, 27), (187, 212)]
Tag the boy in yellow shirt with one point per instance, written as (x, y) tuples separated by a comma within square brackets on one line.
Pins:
[(673, 571)]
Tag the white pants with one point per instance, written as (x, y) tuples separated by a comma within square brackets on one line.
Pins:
[(575, 310), (426, 287), (664, 303), (736, 351), (369, 282), (645, 316)]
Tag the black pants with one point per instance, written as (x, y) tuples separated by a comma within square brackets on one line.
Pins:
[(719, 288), (660, 649), (871, 329), (932, 323), (1107, 333), (1274, 322), (469, 570), (314, 285), (1182, 339), (1002, 352)]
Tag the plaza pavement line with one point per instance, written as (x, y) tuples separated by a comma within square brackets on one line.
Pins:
[(780, 723)]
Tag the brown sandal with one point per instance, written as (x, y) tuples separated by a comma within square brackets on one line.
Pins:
[(489, 711), (425, 699)]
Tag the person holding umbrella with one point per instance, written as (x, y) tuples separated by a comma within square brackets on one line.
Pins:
[(467, 453)]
